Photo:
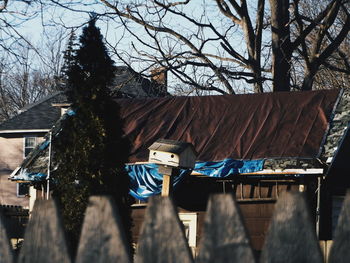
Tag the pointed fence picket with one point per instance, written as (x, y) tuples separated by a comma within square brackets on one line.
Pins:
[(225, 238), (102, 234), (5, 248), (44, 236), (291, 236), (340, 251), (162, 237)]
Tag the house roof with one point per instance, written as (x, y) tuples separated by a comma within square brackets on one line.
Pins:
[(288, 130), (251, 126), (37, 117), (42, 115), (130, 84)]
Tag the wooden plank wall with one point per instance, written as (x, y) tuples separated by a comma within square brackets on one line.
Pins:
[(257, 203)]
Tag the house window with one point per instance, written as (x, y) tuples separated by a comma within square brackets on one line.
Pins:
[(29, 145), (22, 189)]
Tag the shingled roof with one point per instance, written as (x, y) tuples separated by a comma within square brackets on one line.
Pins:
[(42, 115), (37, 116)]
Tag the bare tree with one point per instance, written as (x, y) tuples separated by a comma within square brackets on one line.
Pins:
[(19, 84), (5, 107), (13, 15), (335, 72), (213, 45), (51, 56), (216, 46), (28, 69), (30, 77), (314, 37), (199, 51), (325, 41)]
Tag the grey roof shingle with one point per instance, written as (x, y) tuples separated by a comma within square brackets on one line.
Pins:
[(39, 115), (42, 115)]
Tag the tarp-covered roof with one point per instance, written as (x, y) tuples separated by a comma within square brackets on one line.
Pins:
[(287, 130), (250, 126)]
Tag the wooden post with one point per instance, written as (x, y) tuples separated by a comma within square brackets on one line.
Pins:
[(168, 173), (167, 185), (318, 206)]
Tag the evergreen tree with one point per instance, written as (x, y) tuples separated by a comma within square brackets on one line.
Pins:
[(68, 57), (90, 151)]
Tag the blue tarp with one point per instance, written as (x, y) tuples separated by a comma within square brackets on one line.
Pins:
[(228, 167), (145, 180), (28, 176)]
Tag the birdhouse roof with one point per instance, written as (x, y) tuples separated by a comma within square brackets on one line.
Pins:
[(171, 146)]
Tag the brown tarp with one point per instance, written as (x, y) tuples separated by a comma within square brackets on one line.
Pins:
[(250, 126)]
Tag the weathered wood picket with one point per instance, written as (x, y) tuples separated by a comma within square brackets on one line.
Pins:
[(291, 237)]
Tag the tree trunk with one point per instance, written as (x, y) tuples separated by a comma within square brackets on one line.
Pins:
[(281, 54), (308, 80), (258, 85)]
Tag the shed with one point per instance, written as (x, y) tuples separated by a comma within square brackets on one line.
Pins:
[(291, 140)]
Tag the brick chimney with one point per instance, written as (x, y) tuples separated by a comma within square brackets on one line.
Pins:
[(160, 79)]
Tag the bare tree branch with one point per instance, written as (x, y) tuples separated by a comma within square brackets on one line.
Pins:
[(3, 5)]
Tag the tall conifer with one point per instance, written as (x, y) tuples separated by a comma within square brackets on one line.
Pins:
[(90, 151), (68, 56)]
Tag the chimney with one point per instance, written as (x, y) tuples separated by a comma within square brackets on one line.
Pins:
[(160, 79)]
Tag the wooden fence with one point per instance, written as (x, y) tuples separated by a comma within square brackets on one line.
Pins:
[(291, 237), (15, 218)]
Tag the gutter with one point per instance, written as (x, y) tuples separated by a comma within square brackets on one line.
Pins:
[(280, 172), (24, 131)]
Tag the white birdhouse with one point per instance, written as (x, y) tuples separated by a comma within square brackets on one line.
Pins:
[(172, 153)]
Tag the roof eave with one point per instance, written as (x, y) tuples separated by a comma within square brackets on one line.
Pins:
[(24, 131), (312, 171)]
